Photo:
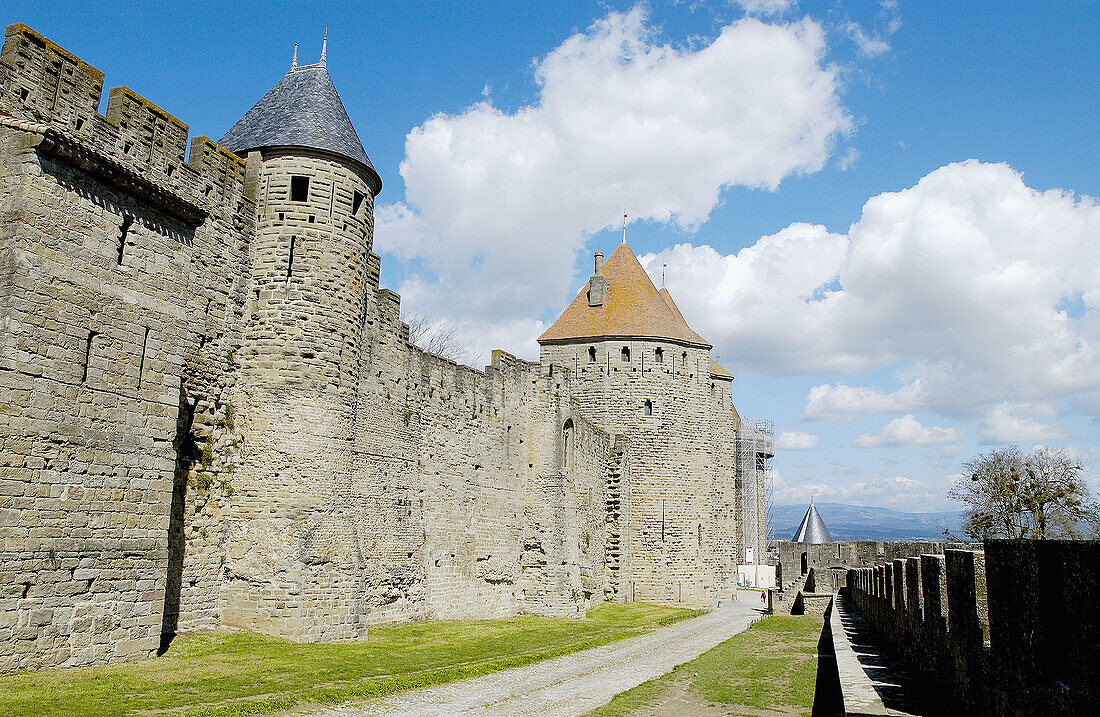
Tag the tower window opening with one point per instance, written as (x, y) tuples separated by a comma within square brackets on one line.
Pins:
[(357, 201), (647, 408), (591, 354), (567, 445), (144, 349), (761, 462), (659, 355), (87, 355), (684, 358), (625, 354), (290, 259), (127, 222), (299, 188)]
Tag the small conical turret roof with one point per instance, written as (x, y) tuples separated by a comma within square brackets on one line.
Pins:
[(302, 110), (634, 308), (812, 528)]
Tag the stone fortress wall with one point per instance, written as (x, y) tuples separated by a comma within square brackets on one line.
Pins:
[(212, 414), (830, 562), (1008, 630), (123, 284)]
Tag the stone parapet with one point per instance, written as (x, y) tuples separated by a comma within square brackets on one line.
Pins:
[(1010, 630)]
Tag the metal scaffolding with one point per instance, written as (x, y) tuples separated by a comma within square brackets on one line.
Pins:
[(755, 450)]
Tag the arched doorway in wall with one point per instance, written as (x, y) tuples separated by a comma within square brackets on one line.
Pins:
[(567, 440), (804, 568)]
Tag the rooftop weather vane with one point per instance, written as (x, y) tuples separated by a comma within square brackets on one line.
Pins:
[(624, 226), (294, 60), (324, 48)]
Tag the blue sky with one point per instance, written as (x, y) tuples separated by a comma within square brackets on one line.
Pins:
[(880, 213)]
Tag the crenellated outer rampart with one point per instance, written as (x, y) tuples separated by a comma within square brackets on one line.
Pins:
[(1009, 630)]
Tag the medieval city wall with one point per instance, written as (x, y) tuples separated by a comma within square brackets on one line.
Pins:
[(212, 414), (119, 299), (831, 561), (1011, 630)]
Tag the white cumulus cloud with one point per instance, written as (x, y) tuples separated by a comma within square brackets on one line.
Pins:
[(1018, 423), (796, 441), (898, 492), (907, 432), (841, 403), (970, 284), (498, 203)]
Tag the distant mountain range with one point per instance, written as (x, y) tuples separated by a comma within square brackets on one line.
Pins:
[(861, 522)]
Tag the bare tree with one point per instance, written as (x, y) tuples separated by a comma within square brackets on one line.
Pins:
[(1041, 494), (438, 337)]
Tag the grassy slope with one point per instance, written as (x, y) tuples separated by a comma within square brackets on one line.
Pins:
[(770, 666), (243, 673)]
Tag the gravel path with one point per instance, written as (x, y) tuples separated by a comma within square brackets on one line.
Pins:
[(569, 685)]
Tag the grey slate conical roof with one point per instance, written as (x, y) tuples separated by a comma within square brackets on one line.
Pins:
[(812, 528), (302, 110)]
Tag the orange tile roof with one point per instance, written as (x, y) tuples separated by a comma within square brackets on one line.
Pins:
[(633, 308), (717, 371), (716, 368)]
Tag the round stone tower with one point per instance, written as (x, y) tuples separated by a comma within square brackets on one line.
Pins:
[(290, 553)]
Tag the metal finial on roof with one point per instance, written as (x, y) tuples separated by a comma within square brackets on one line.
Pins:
[(294, 60), (324, 49), (624, 228), (663, 267)]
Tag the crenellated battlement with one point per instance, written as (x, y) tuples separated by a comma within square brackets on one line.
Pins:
[(44, 84), (1009, 630)]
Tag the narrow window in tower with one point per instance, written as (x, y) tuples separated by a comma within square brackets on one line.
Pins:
[(659, 355), (761, 462), (356, 202), (87, 355), (647, 408), (290, 259), (567, 445), (144, 346), (625, 353), (127, 222), (299, 189), (591, 354)]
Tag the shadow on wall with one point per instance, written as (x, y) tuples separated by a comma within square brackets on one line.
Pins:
[(187, 451), (828, 696)]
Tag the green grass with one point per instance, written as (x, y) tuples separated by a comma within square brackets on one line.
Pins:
[(218, 673), (769, 667)]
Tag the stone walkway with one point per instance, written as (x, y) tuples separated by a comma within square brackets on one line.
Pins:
[(873, 681), (570, 685)]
